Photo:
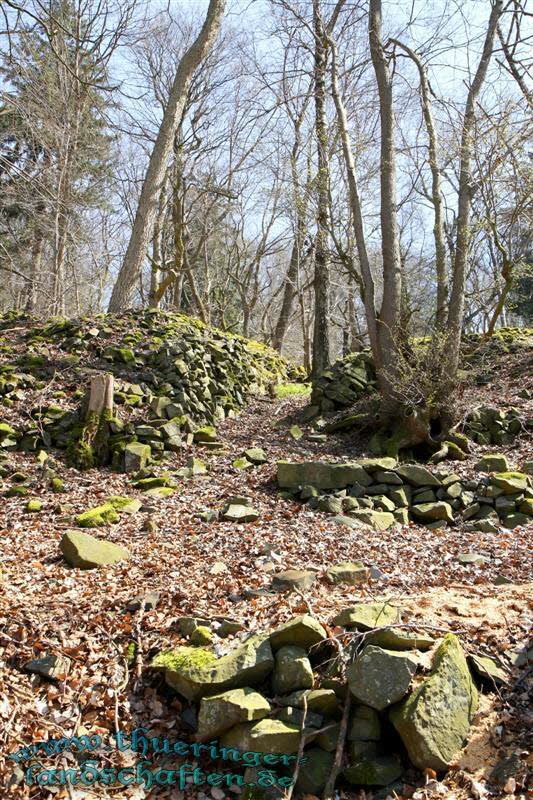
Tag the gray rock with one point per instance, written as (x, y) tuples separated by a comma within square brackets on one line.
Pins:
[(365, 725), (314, 774), (223, 711), (351, 573), (366, 616), (379, 771), (380, 677), (416, 475), (239, 513), (49, 666), (303, 631), (293, 579), (292, 670), (434, 720)]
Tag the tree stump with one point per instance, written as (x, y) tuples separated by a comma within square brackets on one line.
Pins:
[(91, 448)]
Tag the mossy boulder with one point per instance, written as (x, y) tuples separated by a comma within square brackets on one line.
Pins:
[(492, 462), (201, 636), (86, 552), (222, 711), (136, 456), (125, 505), (378, 677), (97, 517), (510, 482), (206, 434), (195, 672), (34, 506), (434, 721)]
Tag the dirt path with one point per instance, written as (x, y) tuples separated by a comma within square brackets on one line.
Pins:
[(224, 569)]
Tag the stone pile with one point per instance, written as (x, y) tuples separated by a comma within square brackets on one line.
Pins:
[(344, 382), (276, 687), (175, 378), (380, 492), (487, 425)]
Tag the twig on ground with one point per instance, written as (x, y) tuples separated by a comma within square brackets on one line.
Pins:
[(138, 645), (330, 784), (301, 746)]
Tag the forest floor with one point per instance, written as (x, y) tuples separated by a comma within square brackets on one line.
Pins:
[(224, 569)]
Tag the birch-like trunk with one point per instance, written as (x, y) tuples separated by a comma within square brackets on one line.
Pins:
[(462, 245)]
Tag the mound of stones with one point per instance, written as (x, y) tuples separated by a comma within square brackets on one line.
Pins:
[(488, 425), (294, 682), (175, 378), (343, 383), (353, 376), (380, 492)]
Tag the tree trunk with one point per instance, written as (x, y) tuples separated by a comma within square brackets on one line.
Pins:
[(154, 300), (289, 290), (462, 246), (35, 270), (92, 446), (436, 192), (321, 276), (389, 317), (147, 208), (368, 293), (300, 207)]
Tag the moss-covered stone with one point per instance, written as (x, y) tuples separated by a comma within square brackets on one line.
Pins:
[(510, 482), (194, 672), (124, 505), (434, 721), (34, 505), (96, 517)]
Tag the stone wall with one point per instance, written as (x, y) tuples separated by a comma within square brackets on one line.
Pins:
[(380, 492)]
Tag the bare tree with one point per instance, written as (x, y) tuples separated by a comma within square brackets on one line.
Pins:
[(147, 209)]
